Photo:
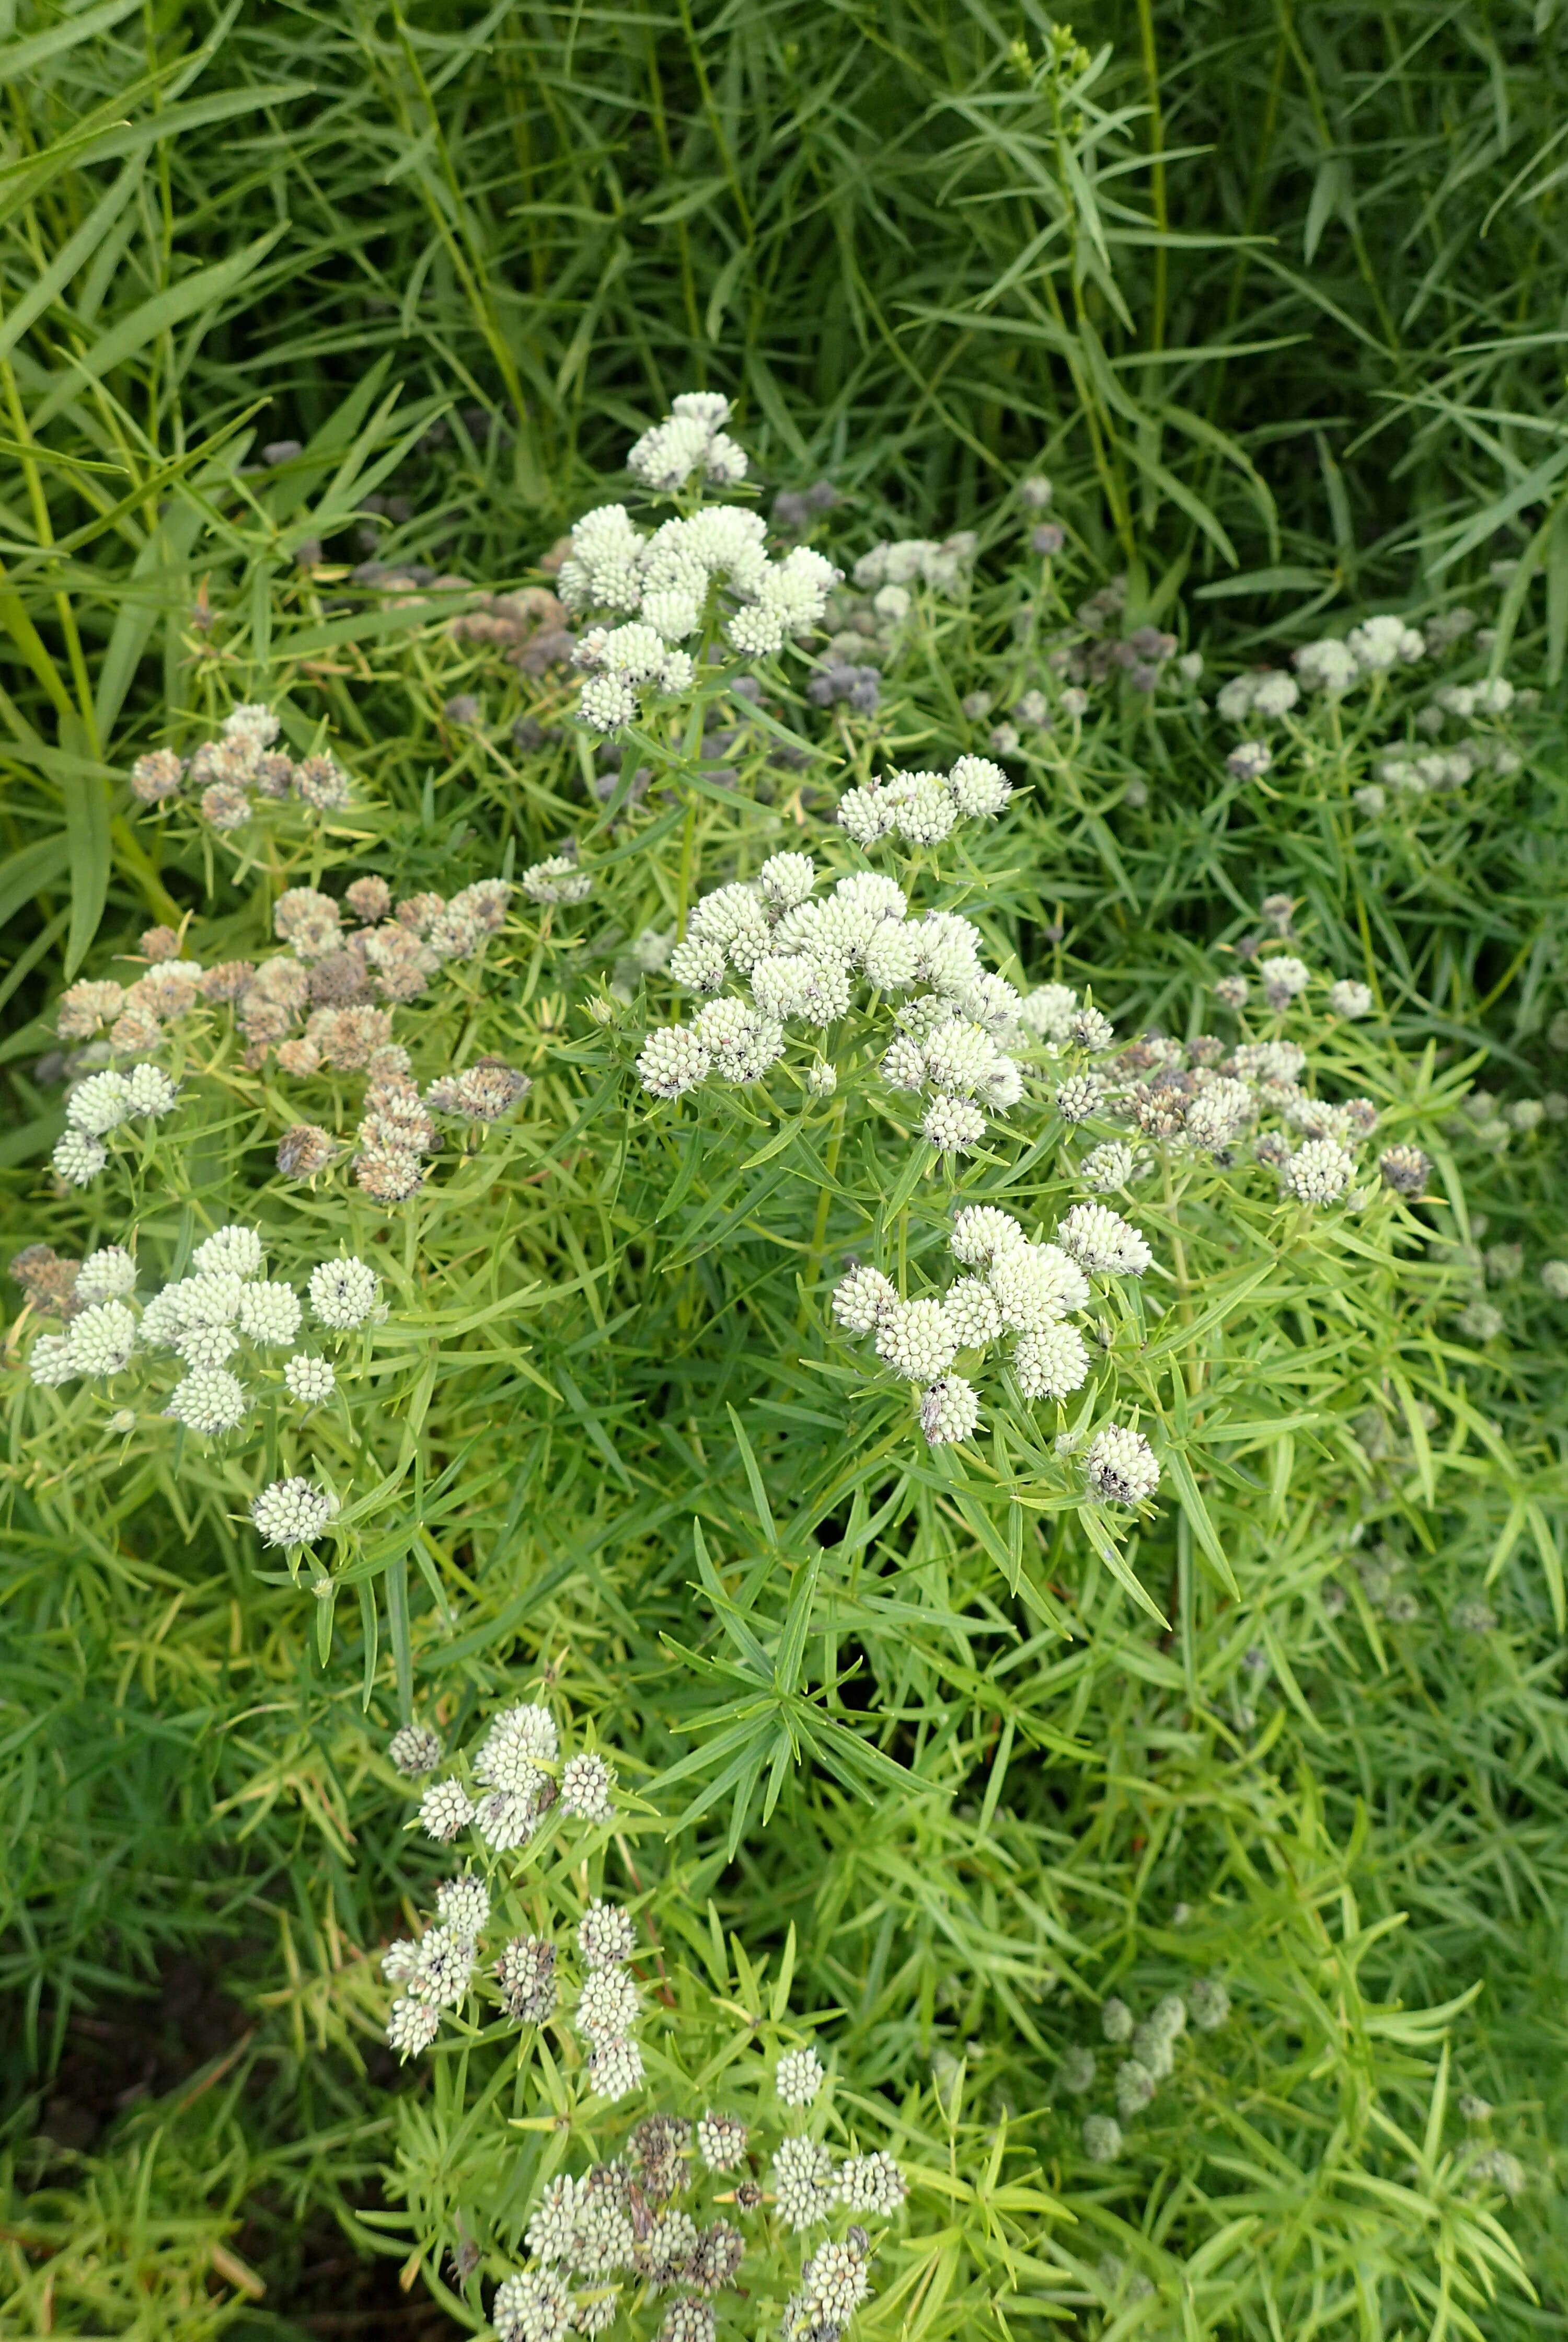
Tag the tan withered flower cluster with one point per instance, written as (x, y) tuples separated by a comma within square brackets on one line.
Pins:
[(341, 983), (228, 779), (529, 628)]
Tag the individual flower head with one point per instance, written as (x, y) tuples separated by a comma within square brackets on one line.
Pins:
[(674, 1060), (1404, 1168), (803, 2183), (527, 1974), (292, 1512), (1348, 998), (873, 2183), (1208, 2004), (210, 1401), (949, 1411), (1101, 2138), (444, 1809), (107, 1275), (798, 2077), (101, 1340), (721, 2141), (310, 1380), (1102, 1243), (1120, 1465), (616, 2069), (414, 1750), (586, 1782), (605, 1936), (342, 1293)]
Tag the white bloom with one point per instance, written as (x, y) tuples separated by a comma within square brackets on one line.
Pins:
[(1036, 1286), (1048, 1011), (269, 1313), (310, 1380), (553, 2225), (1104, 1243), (586, 1782), (531, 2307), (615, 2069), (834, 2283), (700, 962), (672, 1061), (107, 1275), (100, 1341), (1348, 998), (1319, 1171), (209, 1400), (50, 1364), (1120, 1465), (205, 1344), (949, 1411), (798, 2077), (917, 1341), (1107, 1168), (343, 1292), (99, 1104), (872, 2183), (605, 1936), (980, 789), (1284, 978), (150, 1092), (607, 2006), (292, 1512), (863, 1297), (1052, 1363), (79, 1158), (556, 879), (786, 879), (232, 1251), (952, 1125), (821, 1079), (1327, 666), (741, 1043), (1275, 693), (802, 2182), (412, 2026), (414, 1750), (1378, 644), (980, 1231), (444, 1810), (973, 1313), (904, 1067)]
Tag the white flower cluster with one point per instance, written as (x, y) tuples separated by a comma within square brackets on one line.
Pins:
[(228, 777), (517, 1777), (694, 570), (922, 808), (433, 1971), (227, 1307), (804, 961), (808, 2184), (690, 439), (1376, 646), (99, 1105), (1015, 1290)]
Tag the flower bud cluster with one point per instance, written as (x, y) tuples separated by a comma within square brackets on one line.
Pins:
[(1151, 2047)]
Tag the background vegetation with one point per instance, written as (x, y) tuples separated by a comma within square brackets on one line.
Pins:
[(1275, 296)]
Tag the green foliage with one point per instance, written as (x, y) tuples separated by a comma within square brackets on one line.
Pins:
[(924, 1743)]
